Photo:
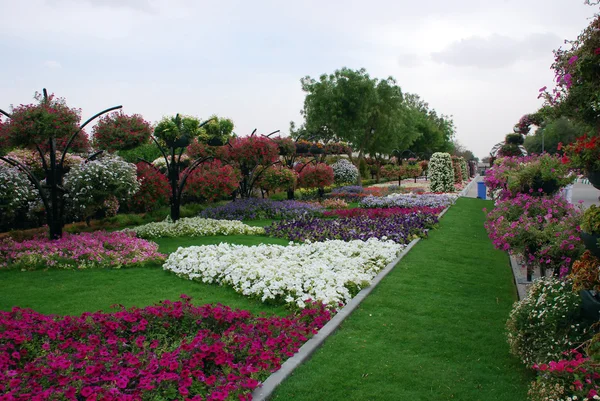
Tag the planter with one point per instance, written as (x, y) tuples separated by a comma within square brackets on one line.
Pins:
[(594, 177), (316, 150), (591, 243), (215, 142), (301, 149), (182, 142), (590, 305)]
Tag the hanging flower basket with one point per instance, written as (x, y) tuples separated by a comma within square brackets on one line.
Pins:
[(315, 150), (594, 177), (216, 141), (182, 142)]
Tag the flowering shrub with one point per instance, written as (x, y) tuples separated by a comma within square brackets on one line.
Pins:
[(409, 200), (394, 171), (536, 175), (334, 203), (585, 273), (572, 378), (194, 227), (211, 181), (331, 272), (255, 209), (118, 131), (80, 251), (383, 212), (90, 184), (441, 173), (399, 228), (16, 192), (36, 123), (584, 153), (154, 189), (544, 230), (173, 350), (317, 176), (344, 172), (278, 178), (32, 160), (546, 323)]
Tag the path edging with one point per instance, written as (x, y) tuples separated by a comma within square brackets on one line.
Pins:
[(263, 392)]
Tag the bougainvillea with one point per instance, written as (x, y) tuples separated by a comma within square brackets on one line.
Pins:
[(36, 123), (173, 350), (316, 176), (154, 189), (79, 251), (278, 178), (211, 181), (344, 172), (441, 173), (119, 131)]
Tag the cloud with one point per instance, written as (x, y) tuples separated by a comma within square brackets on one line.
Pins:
[(496, 51), (137, 5), (52, 64)]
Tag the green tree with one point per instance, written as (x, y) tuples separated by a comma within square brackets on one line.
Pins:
[(435, 133), (351, 106), (552, 133)]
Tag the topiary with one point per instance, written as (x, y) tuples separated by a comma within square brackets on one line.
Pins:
[(316, 176), (441, 173), (344, 172)]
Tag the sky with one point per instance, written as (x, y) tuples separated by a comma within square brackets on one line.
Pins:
[(481, 62)]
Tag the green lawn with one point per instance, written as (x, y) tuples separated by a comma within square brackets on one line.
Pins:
[(70, 292), (432, 330)]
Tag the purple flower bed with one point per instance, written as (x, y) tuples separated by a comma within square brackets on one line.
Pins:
[(255, 209), (399, 228), (170, 351), (96, 249)]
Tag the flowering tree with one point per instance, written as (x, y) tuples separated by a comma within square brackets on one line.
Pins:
[(212, 180), (51, 128), (252, 156), (173, 135), (318, 175), (118, 131)]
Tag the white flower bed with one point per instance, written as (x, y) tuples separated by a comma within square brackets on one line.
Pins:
[(323, 271), (195, 227)]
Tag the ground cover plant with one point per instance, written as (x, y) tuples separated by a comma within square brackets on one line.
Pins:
[(331, 272), (194, 227), (79, 251), (166, 351), (409, 200), (254, 209), (400, 228)]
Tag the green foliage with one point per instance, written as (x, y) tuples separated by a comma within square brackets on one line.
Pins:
[(515, 139), (590, 222), (560, 130), (217, 131), (177, 131), (544, 175), (148, 152), (276, 178), (546, 323), (441, 173), (435, 133)]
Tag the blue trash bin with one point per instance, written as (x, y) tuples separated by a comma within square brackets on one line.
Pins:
[(481, 190)]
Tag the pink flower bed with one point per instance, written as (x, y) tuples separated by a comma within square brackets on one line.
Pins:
[(172, 350), (382, 212), (96, 249)]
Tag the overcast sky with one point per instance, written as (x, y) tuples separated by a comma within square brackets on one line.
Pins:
[(480, 61)]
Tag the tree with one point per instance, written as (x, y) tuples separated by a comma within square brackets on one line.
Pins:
[(52, 129), (350, 105), (561, 130)]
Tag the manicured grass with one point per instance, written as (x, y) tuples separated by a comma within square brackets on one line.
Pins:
[(69, 292), (432, 330)]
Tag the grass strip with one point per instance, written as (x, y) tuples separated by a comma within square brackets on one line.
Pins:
[(432, 329)]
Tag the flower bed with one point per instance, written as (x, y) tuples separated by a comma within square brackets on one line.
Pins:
[(173, 350), (399, 228), (409, 200), (195, 227), (251, 209), (85, 250), (353, 193), (331, 272), (383, 212)]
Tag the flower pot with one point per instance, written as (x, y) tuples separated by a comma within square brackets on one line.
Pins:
[(590, 305), (301, 149), (315, 150), (182, 142), (216, 141), (591, 243), (594, 177)]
